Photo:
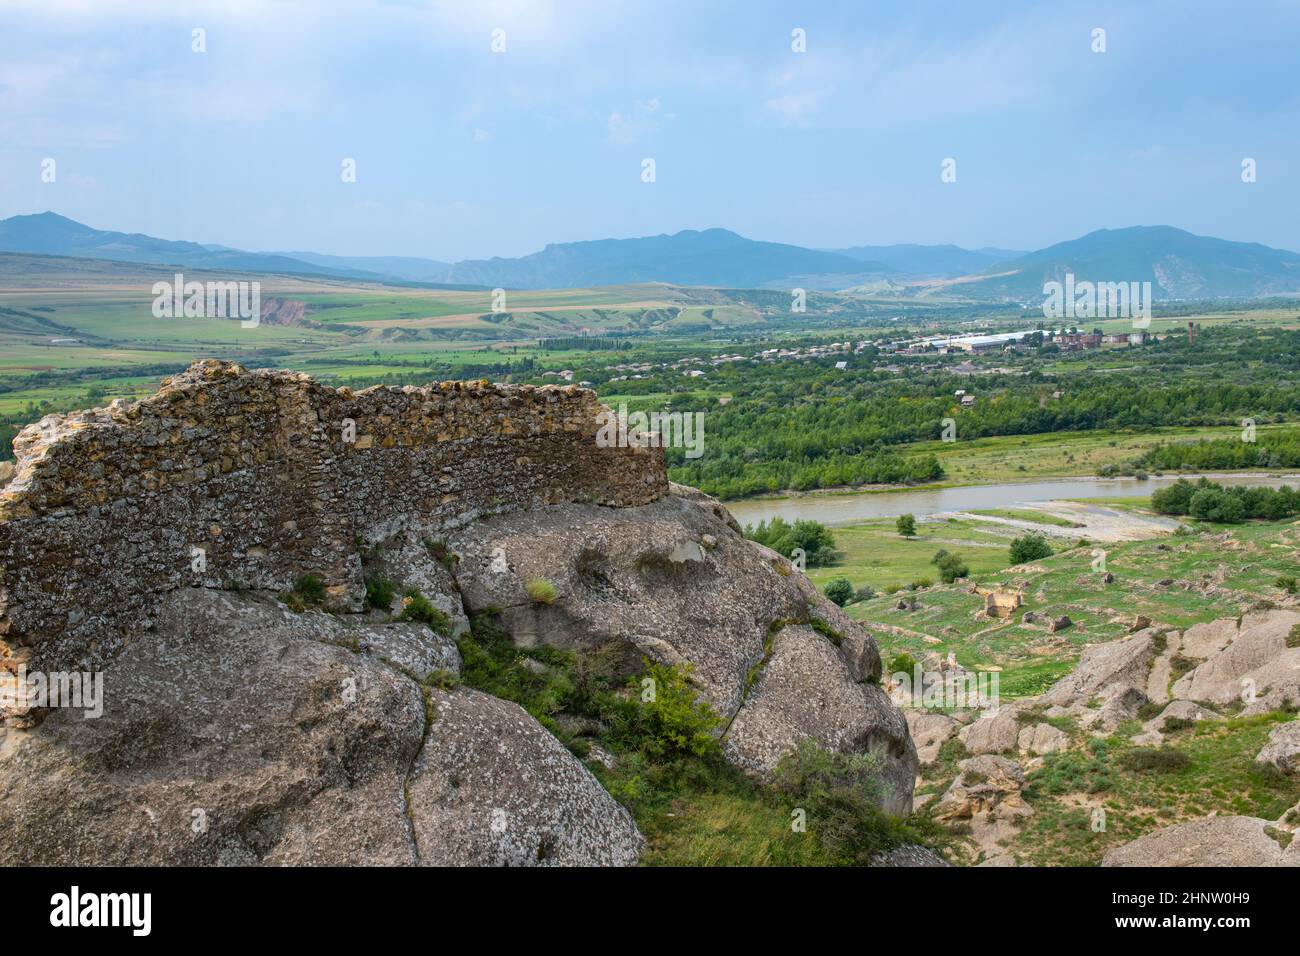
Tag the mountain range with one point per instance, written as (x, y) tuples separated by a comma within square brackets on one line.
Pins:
[(1179, 264)]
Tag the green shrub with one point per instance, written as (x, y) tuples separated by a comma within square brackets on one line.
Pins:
[(1030, 547), (1155, 760), (952, 567), (1287, 584), (380, 592), (906, 525), (839, 591), (812, 537), (417, 607), (903, 663), (541, 591), (841, 794), (865, 592), (309, 589), (672, 717)]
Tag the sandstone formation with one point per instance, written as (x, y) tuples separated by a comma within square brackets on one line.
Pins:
[(1283, 748), (1211, 841)]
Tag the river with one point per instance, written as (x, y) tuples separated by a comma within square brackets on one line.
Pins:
[(835, 508)]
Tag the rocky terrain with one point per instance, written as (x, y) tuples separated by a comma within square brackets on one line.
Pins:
[(272, 577), (1135, 707)]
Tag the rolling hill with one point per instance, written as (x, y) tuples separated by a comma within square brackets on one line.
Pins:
[(712, 257), (1178, 264)]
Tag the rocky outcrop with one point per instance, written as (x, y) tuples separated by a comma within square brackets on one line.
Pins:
[(930, 732), (675, 582), (493, 788), (985, 783), (1212, 841), (1283, 748), (806, 692), (147, 542), (1104, 667), (993, 732), (1236, 671), (238, 732), (1043, 739), (909, 855)]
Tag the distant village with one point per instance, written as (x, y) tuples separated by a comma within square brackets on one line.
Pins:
[(1067, 340)]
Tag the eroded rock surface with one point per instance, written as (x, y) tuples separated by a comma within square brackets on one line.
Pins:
[(1212, 841), (674, 582), (238, 732)]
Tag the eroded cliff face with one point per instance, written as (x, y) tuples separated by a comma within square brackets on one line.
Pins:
[(324, 737)]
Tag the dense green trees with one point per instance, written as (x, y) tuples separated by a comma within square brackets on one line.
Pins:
[(814, 538), (1210, 501)]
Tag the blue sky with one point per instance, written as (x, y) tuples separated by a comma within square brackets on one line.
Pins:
[(466, 153)]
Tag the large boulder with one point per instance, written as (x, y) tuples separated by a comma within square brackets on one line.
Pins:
[(237, 732), (1043, 739), (493, 788), (806, 692), (930, 731), (1210, 841), (1283, 748), (1261, 637), (1103, 667), (986, 783), (993, 732), (675, 582)]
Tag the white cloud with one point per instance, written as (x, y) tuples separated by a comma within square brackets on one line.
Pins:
[(639, 123)]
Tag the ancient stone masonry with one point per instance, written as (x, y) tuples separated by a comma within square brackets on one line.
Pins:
[(237, 479)]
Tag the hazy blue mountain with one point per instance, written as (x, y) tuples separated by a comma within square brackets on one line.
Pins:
[(931, 261), (406, 268), (712, 257), (1178, 264), (50, 234)]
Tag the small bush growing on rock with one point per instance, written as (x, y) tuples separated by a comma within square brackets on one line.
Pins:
[(380, 592), (674, 719), (1287, 584), (841, 793), (903, 663), (839, 591), (541, 591), (309, 588), (1293, 637), (824, 628), (417, 607)]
